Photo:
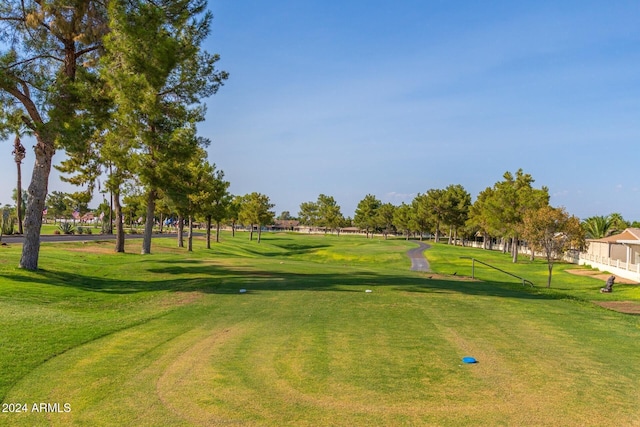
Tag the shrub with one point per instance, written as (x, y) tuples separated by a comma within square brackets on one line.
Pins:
[(7, 226), (80, 230), (66, 228), (7, 222)]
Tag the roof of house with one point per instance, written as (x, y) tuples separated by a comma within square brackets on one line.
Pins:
[(629, 235)]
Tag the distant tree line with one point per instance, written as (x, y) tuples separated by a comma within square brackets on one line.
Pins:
[(512, 211)]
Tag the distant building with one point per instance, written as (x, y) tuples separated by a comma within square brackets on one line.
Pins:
[(88, 217), (285, 225), (618, 254)]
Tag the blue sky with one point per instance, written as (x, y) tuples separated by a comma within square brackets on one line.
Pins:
[(389, 98)]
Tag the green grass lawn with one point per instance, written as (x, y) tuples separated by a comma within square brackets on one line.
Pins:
[(169, 339)]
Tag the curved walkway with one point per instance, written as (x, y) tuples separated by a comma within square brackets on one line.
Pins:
[(418, 260)]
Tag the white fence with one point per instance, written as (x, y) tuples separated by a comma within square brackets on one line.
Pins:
[(623, 269), (627, 270)]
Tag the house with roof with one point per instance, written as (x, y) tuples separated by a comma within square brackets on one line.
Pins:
[(618, 254), (285, 225), (88, 217)]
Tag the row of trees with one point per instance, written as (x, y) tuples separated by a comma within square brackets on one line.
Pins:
[(205, 198), (428, 212), (512, 210), (500, 212), (118, 86)]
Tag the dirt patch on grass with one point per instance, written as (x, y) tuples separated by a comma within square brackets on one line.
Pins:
[(94, 247), (627, 307), (177, 299), (596, 274)]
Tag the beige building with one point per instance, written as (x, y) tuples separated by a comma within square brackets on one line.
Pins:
[(618, 254)]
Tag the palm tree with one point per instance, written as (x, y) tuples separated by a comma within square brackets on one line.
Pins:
[(618, 224), (19, 154), (597, 227)]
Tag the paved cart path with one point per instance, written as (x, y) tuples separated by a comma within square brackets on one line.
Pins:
[(418, 260)]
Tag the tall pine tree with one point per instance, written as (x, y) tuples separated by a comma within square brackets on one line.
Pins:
[(48, 87), (159, 74)]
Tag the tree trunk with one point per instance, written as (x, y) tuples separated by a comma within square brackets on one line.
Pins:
[(110, 229), (233, 229), (208, 231), (190, 235), (119, 225), (514, 249), (37, 195), (217, 231), (19, 201), (259, 232), (180, 231), (251, 233), (148, 225), (550, 264)]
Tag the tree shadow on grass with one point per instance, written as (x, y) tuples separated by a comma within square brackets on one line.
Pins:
[(204, 277), (288, 250)]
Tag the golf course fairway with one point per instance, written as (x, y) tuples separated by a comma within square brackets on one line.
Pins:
[(167, 339)]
